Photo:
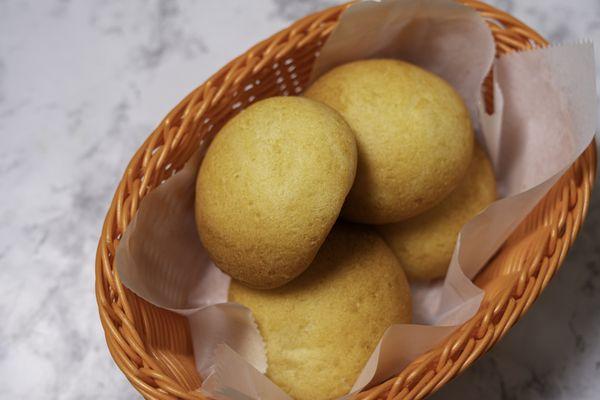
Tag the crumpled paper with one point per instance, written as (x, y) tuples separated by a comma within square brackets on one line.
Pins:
[(544, 117)]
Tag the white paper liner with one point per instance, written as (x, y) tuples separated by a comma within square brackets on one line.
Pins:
[(545, 116), (161, 259)]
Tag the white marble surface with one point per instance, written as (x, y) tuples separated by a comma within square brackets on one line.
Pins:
[(81, 85)]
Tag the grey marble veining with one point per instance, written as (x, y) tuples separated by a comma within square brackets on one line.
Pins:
[(83, 83)]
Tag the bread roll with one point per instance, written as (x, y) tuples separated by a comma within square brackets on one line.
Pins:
[(414, 135), (271, 186), (321, 328)]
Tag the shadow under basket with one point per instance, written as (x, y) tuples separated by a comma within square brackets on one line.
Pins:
[(153, 347)]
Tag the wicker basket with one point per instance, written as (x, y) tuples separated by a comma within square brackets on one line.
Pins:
[(153, 346)]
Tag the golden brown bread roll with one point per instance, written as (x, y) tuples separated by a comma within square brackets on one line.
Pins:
[(424, 244), (271, 186), (321, 328), (413, 132)]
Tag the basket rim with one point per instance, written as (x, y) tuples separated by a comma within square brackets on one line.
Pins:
[(570, 196)]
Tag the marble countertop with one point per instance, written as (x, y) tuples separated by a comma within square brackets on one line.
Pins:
[(82, 83)]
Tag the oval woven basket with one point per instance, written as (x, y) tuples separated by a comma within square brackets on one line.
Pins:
[(152, 346)]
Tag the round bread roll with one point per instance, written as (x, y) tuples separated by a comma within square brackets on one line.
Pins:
[(321, 328), (424, 244), (271, 186), (413, 131)]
